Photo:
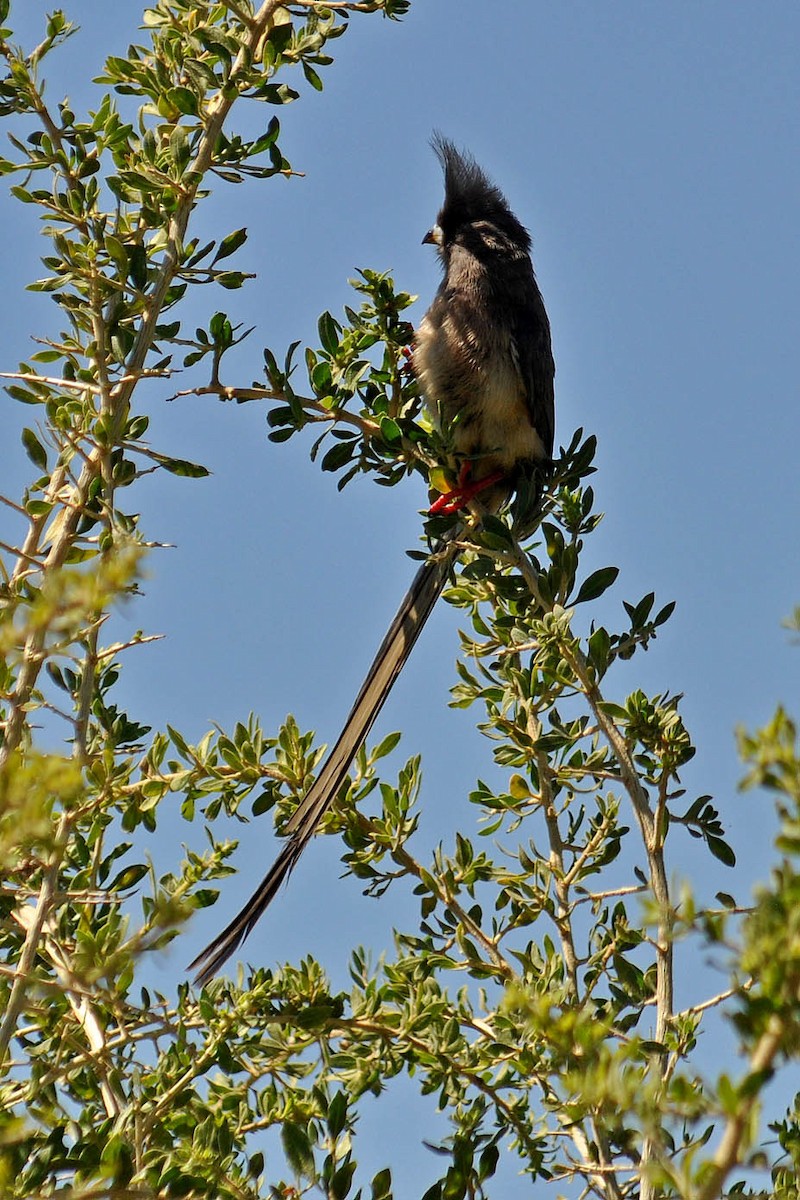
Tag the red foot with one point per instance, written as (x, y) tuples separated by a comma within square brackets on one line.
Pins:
[(463, 492)]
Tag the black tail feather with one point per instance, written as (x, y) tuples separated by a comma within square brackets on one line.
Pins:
[(392, 654)]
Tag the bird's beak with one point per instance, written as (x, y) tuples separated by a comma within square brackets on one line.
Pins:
[(433, 237)]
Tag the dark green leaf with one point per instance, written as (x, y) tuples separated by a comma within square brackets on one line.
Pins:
[(24, 395), (312, 77), (281, 435), (329, 331), (297, 1148), (34, 449), (600, 648), (128, 877), (488, 1162), (381, 1188), (722, 851), (137, 265), (230, 244), (337, 1114), (664, 614), (338, 455), (597, 583)]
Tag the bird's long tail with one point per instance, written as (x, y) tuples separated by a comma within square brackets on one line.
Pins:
[(392, 654)]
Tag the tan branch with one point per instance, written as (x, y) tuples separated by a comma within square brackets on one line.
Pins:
[(729, 1151), (34, 927), (71, 385)]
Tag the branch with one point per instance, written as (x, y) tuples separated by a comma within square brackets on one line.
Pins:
[(728, 1153), (401, 855), (35, 927), (217, 110), (367, 427), (648, 825), (118, 400), (561, 879), (53, 381)]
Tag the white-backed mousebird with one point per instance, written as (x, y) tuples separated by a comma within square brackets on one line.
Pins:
[(485, 368)]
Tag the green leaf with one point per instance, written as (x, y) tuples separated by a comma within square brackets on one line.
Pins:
[(137, 265), (600, 648), (337, 1114), (338, 455), (34, 449), (487, 1164), (184, 100), (221, 330), (231, 280), (381, 1187), (267, 139), (38, 508), (597, 583), (117, 252), (277, 93), (179, 147), (181, 466), (321, 378), (722, 851), (664, 614), (329, 331), (297, 1148), (386, 746), (342, 1180), (128, 877), (390, 430), (24, 395), (137, 427), (312, 77), (230, 244)]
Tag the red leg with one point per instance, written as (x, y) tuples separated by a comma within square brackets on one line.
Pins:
[(455, 500)]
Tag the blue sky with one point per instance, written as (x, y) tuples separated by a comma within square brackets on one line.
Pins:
[(652, 152)]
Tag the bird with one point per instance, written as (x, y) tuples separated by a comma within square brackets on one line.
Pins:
[(484, 365)]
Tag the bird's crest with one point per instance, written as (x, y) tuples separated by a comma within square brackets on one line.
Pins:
[(469, 195)]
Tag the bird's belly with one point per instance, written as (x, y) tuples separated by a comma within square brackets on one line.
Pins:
[(476, 397), (501, 428)]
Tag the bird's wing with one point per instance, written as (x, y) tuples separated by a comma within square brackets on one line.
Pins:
[(531, 340)]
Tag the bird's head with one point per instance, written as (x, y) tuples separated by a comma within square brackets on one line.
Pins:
[(475, 213)]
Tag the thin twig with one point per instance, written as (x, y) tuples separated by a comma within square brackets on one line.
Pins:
[(72, 385)]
